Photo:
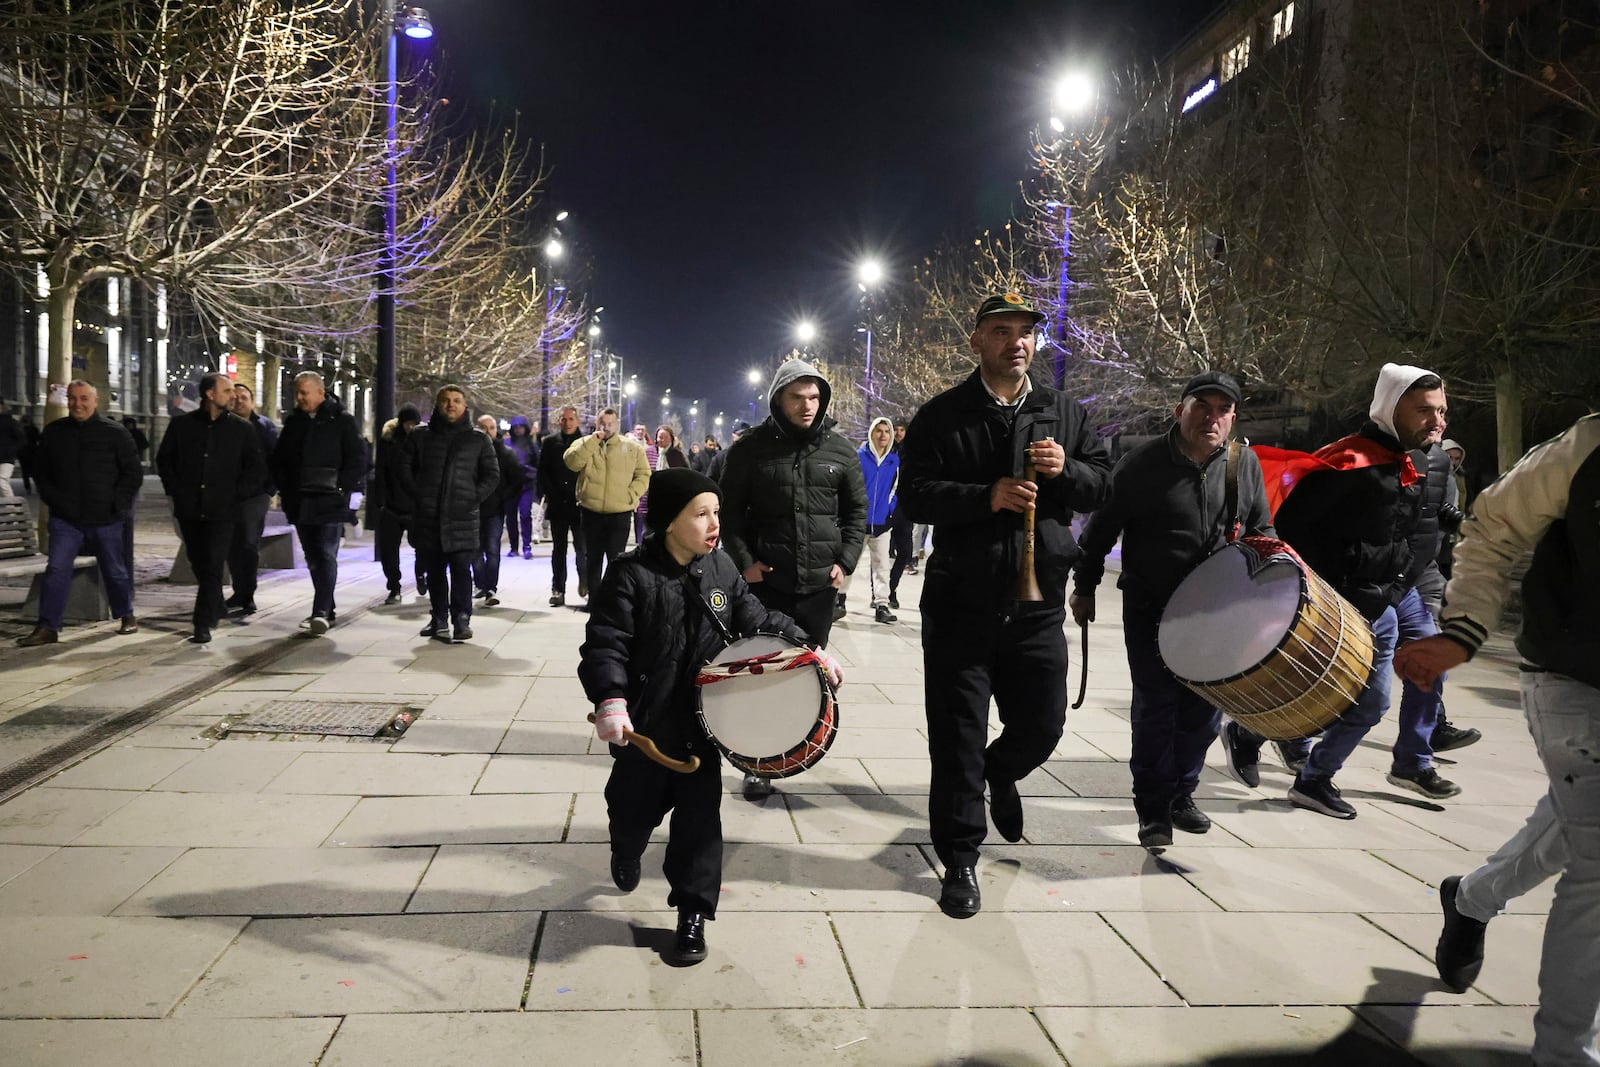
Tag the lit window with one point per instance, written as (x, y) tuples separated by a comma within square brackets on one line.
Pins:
[(1283, 22), (1236, 58)]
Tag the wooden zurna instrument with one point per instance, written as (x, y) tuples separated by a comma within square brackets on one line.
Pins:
[(1027, 581)]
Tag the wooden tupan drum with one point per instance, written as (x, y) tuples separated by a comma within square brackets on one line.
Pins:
[(767, 705), (1256, 633)]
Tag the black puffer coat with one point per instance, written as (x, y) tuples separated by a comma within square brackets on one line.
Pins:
[(650, 630), (383, 489), (326, 438), (511, 481), (794, 499), (87, 472), (1357, 528), (448, 470), (558, 484)]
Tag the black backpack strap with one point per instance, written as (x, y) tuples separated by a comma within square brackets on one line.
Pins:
[(1230, 492)]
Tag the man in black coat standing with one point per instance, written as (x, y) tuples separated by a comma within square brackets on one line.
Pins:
[(318, 463), (558, 485), (448, 470), (497, 508), (244, 553), (961, 469), (210, 464), (388, 513), (87, 473)]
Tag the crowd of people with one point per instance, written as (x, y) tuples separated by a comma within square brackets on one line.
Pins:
[(766, 534)]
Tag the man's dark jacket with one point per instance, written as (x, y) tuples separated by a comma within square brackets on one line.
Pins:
[(525, 448), (1362, 531), (1169, 512), (11, 438), (87, 472), (509, 491), (558, 484), (208, 466), (957, 447), (650, 630), (794, 499), (267, 437), (383, 495), (326, 438), (448, 471)]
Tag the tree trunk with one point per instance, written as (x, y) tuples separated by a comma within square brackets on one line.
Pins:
[(61, 307), (1508, 417)]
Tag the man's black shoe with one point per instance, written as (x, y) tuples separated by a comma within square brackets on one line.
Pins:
[(624, 873), (1447, 735), (1459, 954), (1427, 782), (422, 586), (479, 594), (883, 614), (1005, 808), (689, 946), (1293, 754), (1187, 817), (1320, 795), (393, 597), (202, 636), (583, 587), (463, 632), (238, 605), (434, 629), (958, 895), (558, 600), (1155, 833), (1242, 753)]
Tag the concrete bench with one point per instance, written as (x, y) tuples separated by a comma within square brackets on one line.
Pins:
[(280, 551), (20, 558)]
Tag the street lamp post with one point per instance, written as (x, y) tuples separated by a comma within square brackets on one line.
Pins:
[(553, 250), (1074, 95), (414, 23), (869, 275)]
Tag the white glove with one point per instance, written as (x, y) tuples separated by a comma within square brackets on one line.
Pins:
[(610, 719), (831, 668)]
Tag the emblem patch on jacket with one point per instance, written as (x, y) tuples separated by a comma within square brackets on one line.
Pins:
[(719, 601)]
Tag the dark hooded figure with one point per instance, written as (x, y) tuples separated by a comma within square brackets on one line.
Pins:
[(524, 445)]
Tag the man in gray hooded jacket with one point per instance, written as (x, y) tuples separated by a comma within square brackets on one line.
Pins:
[(794, 506)]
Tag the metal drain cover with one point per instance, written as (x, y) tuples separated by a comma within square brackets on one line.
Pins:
[(353, 718)]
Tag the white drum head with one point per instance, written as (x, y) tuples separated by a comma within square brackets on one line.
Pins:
[(1222, 622), (761, 715)]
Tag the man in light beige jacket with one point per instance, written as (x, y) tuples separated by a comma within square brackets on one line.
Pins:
[(613, 473)]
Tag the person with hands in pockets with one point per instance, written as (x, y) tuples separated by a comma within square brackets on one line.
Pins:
[(661, 612)]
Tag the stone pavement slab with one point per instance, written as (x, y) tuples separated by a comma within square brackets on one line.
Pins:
[(1510, 976), (1262, 958), (233, 766), (1185, 1037), (878, 1037), (82, 967), (1321, 880), (534, 737), (1085, 878), (169, 1042), (528, 877), (387, 822), (589, 960), (1457, 1036), (124, 767), (218, 820), (380, 774), (571, 1038), (454, 735), (14, 859), (859, 820), (545, 774), (282, 881), (821, 877), (45, 816), (83, 881), (994, 960), (357, 964)]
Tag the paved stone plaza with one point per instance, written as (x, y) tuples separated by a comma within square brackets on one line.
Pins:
[(444, 898)]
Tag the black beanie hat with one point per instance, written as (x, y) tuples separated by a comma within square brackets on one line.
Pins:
[(408, 413), (670, 492)]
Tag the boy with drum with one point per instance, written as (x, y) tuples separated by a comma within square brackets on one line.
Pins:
[(660, 613), (1174, 501)]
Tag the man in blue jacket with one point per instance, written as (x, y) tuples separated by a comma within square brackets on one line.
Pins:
[(880, 468)]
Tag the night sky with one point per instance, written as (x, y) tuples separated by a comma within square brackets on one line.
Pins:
[(726, 164)]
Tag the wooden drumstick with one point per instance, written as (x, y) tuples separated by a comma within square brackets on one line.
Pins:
[(648, 747)]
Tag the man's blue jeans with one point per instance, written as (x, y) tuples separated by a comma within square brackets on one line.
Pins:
[(486, 567), (320, 542), (1340, 739), (1419, 709), (67, 542)]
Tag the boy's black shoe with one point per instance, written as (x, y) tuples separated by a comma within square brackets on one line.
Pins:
[(690, 944), (838, 608), (1155, 832), (1459, 955), (624, 873), (1320, 795), (958, 894), (756, 787), (1446, 735), (1005, 808), (1242, 754), (1188, 818), (393, 597)]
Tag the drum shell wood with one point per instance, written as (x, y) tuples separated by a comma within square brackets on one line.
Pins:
[(1314, 675)]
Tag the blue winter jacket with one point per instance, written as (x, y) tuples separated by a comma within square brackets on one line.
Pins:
[(881, 476)]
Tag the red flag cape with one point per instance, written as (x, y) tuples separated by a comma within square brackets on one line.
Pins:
[(1282, 469)]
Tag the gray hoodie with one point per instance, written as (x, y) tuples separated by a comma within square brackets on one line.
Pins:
[(786, 375)]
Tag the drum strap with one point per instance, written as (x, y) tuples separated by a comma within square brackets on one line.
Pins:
[(1230, 492)]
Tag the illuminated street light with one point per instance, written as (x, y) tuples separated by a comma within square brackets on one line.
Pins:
[(631, 386), (594, 330), (806, 331), (754, 377), (554, 248), (1073, 95), (414, 23), (561, 216), (869, 274)]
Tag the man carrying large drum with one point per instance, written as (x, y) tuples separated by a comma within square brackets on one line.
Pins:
[(1366, 521), (1174, 501)]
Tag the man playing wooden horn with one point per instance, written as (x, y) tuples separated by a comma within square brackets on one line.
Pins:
[(960, 470), (1174, 501)]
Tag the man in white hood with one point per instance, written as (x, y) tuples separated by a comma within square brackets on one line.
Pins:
[(1367, 523)]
